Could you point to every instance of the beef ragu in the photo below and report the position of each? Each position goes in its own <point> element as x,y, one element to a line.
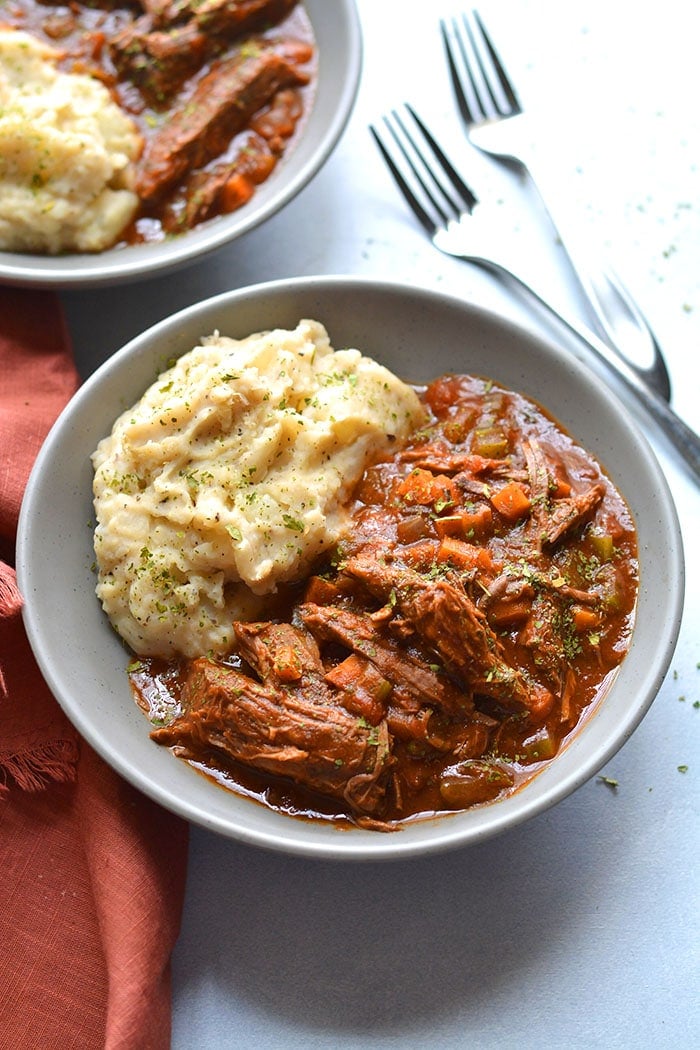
<point>218,89</point>
<point>470,621</point>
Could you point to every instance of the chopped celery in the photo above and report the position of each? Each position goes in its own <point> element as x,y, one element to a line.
<point>490,442</point>
<point>544,744</point>
<point>602,544</point>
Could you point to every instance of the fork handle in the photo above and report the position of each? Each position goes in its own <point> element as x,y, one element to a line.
<point>679,434</point>
<point>540,177</point>
<point>629,328</point>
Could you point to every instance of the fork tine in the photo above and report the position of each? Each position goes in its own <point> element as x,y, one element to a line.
<point>450,171</point>
<point>475,68</point>
<point>410,197</point>
<point>444,204</point>
<point>503,78</point>
<point>469,113</point>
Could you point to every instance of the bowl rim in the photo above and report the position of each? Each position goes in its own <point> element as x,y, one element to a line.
<point>131,263</point>
<point>503,814</point>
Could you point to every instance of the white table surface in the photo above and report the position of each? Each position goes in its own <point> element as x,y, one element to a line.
<point>580,929</point>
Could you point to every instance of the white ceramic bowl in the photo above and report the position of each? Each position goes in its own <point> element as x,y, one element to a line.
<point>339,42</point>
<point>419,334</point>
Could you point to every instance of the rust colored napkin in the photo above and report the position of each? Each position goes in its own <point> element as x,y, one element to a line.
<point>92,873</point>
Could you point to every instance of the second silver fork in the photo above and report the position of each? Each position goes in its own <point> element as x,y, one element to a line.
<point>497,125</point>
<point>449,212</point>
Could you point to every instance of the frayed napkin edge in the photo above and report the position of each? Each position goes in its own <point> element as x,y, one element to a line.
<point>35,768</point>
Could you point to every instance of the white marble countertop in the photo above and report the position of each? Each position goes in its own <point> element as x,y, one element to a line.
<point>579,929</point>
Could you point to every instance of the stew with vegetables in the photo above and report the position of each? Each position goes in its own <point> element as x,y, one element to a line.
<point>217,88</point>
<point>469,622</point>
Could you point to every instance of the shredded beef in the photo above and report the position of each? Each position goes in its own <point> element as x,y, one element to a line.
<point>287,731</point>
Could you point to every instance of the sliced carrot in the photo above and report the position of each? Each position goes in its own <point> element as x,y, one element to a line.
<point>511,502</point>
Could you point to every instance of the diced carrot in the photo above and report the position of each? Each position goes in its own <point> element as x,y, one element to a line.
<point>428,489</point>
<point>320,591</point>
<point>346,673</point>
<point>511,502</point>
<point>584,618</point>
<point>449,525</point>
<point>420,556</point>
<point>265,164</point>
<point>477,522</point>
<point>287,664</point>
<point>463,555</point>
<point>561,488</point>
<point>466,523</point>
<point>455,430</point>
<point>507,612</point>
<point>365,690</point>
<point>236,192</point>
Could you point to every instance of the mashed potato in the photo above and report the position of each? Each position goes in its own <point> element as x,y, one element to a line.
<point>229,477</point>
<point>66,151</point>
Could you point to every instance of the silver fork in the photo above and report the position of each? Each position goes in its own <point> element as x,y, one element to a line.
<point>497,125</point>
<point>449,212</point>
